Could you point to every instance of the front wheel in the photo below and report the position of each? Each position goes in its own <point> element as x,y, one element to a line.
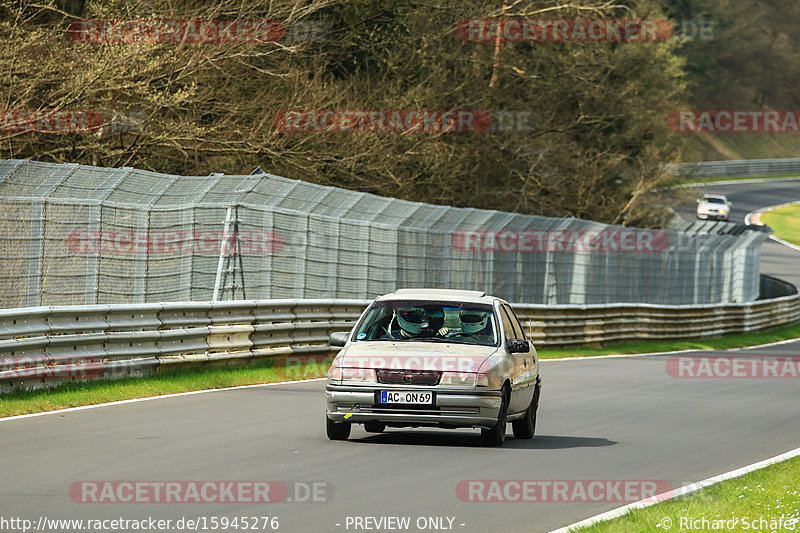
<point>337,430</point>
<point>524,428</point>
<point>497,435</point>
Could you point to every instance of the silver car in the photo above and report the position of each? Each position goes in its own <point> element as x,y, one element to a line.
<point>713,207</point>
<point>441,358</point>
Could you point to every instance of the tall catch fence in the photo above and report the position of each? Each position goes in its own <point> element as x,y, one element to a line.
<point>78,235</point>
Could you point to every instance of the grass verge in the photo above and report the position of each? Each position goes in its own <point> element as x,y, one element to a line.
<point>740,504</point>
<point>79,393</point>
<point>785,221</point>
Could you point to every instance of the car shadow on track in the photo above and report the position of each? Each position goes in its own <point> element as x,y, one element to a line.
<point>556,442</point>
<point>468,440</point>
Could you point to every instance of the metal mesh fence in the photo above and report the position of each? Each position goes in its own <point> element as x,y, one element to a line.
<point>75,234</point>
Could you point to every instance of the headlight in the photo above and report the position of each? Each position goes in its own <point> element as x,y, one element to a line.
<point>358,374</point>
<point>335,374</point>
<point>459,379</point>
<point>723,210</point>
<point>338,374</point>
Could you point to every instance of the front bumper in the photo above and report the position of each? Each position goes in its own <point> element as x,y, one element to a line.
<point>452,408</point>
<point>712,216</point>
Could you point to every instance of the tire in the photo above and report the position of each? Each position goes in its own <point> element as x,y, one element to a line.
<point>525,428</point>
<point>497,435</point>
<point>337,430</point>
<point>374,427</point>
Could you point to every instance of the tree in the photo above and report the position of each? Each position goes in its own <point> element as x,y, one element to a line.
<point>588,133</point>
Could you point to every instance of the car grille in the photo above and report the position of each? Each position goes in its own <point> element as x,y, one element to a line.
<point>403,409</point>
<point>409,377</point>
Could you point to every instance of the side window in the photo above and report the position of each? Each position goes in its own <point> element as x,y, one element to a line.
<point>517,324</point>
<point>508,324</point>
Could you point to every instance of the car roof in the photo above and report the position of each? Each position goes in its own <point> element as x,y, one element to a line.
<point>720,196</point>
<point>440,294</point>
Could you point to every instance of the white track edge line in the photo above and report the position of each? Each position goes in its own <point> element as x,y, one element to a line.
<point>785,243</point>
<point>148,398</point>
<point>686,489</point>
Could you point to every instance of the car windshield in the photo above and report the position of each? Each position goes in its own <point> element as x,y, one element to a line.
<point>714,200</point>
<point>429,321</point>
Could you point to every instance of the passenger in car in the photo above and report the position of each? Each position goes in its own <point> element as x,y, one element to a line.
<point>416,322</point>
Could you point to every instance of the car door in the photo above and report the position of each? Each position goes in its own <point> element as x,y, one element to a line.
<point>523,379</point>
<point>531,359</point>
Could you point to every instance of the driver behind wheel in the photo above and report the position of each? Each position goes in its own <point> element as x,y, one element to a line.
<point>416,322</point>
<point>411,321</point>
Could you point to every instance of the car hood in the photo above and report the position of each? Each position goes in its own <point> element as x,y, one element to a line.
<point>407,355</point>
<point>710,205</point>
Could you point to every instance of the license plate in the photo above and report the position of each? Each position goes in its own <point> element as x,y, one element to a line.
<point>417,397</point>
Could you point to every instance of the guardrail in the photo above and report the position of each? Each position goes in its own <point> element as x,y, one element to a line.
<point>572,326</point>
<point>44,345</point>
<point>744,168</point>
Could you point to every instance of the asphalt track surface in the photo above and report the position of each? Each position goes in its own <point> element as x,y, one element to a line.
<point>601,419</point>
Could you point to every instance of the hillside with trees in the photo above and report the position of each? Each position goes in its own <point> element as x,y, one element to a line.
<point>586,135</point>
<point>748,63</point>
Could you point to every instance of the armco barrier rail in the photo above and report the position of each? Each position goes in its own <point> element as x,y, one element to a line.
<point>745,168</point>
<point>44,345</point>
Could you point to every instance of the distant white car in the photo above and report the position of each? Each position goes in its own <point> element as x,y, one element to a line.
<point>713,207</point>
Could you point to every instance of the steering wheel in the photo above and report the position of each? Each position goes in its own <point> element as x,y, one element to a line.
<point>459,333</point>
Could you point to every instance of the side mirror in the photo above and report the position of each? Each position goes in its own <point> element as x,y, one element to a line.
<point>339,338</point>
<point>518,346</point>
<point>698,200</point>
